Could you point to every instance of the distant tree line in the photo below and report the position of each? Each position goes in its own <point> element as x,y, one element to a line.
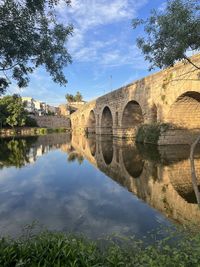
<point>74,98</point>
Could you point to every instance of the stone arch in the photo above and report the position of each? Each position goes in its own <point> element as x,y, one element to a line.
<point>82,120</point>
<point>106,121</point>
<point>185,111</point>
<point>132,115</point>
<point>91,122</point>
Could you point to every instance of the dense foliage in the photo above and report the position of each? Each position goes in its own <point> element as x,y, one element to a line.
<point>74,98</point>
<point>171,33</point>
<point>57,249</point>
<point>12,111</point>
<point>30,36</point>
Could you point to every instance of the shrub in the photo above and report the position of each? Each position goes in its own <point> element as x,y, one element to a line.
<point>150,133</point>
<point>31,122</point>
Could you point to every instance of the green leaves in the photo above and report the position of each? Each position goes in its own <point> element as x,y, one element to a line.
<point>170,33</point>
<point>30,37</point>
<point>179,249</point>
<point>74,98</point>
<point>12,111</point>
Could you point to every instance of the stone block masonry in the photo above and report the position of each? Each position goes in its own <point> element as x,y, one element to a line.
<point>52,121</point>
<point>170,96</point>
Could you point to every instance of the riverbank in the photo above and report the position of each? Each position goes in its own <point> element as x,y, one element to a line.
<point>59,249</point>
<point>30,131</point>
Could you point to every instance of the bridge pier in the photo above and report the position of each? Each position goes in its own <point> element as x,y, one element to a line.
<point>125,132</point>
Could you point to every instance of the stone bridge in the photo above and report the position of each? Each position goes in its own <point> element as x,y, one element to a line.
<point>170,96</point>
<point>164,183</point>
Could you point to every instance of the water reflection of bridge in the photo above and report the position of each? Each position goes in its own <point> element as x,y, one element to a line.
<point>159,176</point>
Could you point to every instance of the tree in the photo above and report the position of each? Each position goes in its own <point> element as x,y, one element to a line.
<point>30,37</point>
<point>74,98</point>
<point>12,111</point>
<point>171,33</point>
<point>69,98</point>
<point>78,97</point>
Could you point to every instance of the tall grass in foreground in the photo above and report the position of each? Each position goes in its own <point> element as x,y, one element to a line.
<point>58,249</point>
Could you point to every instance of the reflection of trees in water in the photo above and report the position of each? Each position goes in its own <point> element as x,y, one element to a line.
<point>15,152</point>
<point>133,161</point>
<point>73,156</point>
<point>19,151</point>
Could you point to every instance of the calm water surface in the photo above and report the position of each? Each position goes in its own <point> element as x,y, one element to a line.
<point>94,186</point>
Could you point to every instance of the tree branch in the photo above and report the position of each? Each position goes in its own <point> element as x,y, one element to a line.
<point>185,57</point>
<point>4,69</point>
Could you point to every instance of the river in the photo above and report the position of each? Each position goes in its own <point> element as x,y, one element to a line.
<point>96,186</point>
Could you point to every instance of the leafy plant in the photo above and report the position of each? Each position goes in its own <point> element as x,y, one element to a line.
<point>170,33</point>
<point>178,249</point>
<point>12,111</point>
<point>30,37</point>
<point>150,133</point>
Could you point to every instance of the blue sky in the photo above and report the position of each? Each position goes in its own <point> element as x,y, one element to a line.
<point>103,45</point>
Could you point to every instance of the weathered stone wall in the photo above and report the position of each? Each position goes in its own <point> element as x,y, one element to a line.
<point>169,96</point>
<point>53,121</point>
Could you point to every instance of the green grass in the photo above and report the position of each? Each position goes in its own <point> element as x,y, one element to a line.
<point>58,249</point>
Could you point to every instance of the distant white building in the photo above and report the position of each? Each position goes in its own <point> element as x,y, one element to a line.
<point>52,109</point>
<point>37,104</point>
<point>29,104</point>
<point>38,107</point>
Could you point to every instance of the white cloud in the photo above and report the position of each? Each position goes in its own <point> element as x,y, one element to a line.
<point>87,44</point>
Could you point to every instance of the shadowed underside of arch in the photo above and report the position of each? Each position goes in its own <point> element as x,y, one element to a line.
<point>185,112</point>
<point>106,121</point>
<point>83,120</point>
<point>132,115</point>
<point>92,122</point>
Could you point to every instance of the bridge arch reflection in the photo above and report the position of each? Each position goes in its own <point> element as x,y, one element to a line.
<point>133,162</point>
<point>107,151</point>
<point>162,180</point>
<point>92,146</point>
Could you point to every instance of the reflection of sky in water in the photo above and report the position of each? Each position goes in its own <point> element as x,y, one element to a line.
<point>70,197</point>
